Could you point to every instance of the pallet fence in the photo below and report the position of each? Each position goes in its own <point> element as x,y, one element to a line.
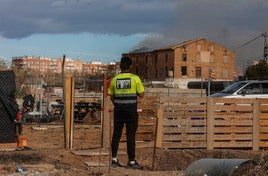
<point>204,123</point>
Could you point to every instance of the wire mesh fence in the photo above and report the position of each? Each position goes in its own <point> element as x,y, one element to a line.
<point>8,107</point>
<point>40,101</point>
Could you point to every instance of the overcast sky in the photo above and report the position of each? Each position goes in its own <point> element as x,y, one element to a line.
<point>101,30</point>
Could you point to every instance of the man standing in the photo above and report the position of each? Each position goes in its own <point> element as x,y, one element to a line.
<point>123,91</point>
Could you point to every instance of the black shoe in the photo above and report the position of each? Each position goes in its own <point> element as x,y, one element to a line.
<point>116,164</point>
<point>134,165</point>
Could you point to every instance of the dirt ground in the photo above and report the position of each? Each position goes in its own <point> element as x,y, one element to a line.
<point>84,159</point>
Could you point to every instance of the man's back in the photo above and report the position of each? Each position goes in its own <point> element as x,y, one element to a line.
<point>125,87</point>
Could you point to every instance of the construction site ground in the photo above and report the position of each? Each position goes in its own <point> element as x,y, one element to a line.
<point>55,160</point>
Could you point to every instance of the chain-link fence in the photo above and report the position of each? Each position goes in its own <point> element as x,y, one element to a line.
<point>40,101</point>
<point>9,109</point>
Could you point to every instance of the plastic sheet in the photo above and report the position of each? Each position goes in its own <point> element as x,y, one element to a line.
<point>214,167</point>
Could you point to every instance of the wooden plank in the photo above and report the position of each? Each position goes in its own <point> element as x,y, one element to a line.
<point>148,101</point>
<point>96,164</point>
<point>184,122</point>
<point>233,115</point>
<point>184,144</point>
<point>143,133</point>
<point>232,108</point>
<point>263,100</point>
<point>147,106</point>
<point>145,145</point>
<point>140,137</point>
<point>233,129</point>
<point>182,129</point>
<point>263,115</point>
<point>263,105</point>
<point>242,108</point>
<point>233,100</point>
<point>263,143</point>
<point>147,114</point>
<point>183,119</point>
<point>197,123</point>
<point>145,128</point>
<point>229,103</point>
<point>185,137</point>
<point>173,115</point>
<point>232,136</point>
<point>182,99</point>
<point>103,152</point>
<point>263,129</point>
<point>264,108</point>
<point>263,136</point>
<point>190,116</point>
<point>233,144</point>
<point>173,121</point>
<point>148,109</point>
<point>190,108</point>
<point>139,144</point>
<point>143,137</point>
<point>233,122</point>
<point>147,121</point>
<point>179,112</point>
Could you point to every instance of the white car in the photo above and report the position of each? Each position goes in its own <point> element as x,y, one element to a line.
<point>245,89</point>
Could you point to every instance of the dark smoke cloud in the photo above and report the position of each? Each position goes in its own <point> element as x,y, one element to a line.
<point>229,23</point>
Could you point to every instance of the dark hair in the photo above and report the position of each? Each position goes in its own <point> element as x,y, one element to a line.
<point>125,63</point>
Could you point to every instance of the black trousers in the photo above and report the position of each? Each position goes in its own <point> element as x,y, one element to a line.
<point>131,128</point>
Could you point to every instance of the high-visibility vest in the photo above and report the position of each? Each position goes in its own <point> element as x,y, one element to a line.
<point>124,87</point>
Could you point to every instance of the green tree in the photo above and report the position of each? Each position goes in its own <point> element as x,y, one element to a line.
<point>258,71</point>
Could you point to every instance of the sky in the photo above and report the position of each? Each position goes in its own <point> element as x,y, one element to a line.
<point>101,30</point>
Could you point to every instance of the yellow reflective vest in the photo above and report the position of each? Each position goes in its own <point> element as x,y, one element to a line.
<point>124,87</point>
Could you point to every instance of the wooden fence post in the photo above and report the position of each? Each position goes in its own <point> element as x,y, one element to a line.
<point>159,135</point>
<point>69,110</point>
<point>256,126</point>
<point>210,124</point>
<point>106,130</point>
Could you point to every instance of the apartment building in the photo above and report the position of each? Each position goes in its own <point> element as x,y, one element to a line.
<point>48,65</point>
<point>189,60</point>
<point>94,67</point>
<point>40,64</point>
